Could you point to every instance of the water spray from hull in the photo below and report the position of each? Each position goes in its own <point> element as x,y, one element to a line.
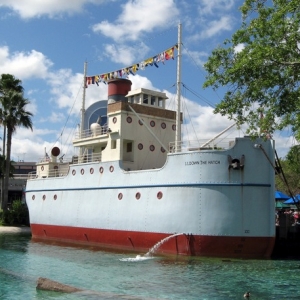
<point>149,254</point>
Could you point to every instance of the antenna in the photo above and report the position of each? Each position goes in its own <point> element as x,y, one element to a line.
<point>178,95</point>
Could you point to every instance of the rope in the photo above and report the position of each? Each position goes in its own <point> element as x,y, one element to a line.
<point>279,170</point>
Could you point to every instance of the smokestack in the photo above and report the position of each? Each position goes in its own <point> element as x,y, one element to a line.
<point>118,89</point>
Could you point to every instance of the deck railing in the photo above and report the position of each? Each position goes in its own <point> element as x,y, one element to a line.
<point>64,163</point>
<point>218,144</point>
<point>91,133</point>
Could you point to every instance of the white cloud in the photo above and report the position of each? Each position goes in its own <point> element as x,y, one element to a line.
<point>138,17</point>
<point>67,92</point>
<point>212,28</point>
<point>36,8</point>
<point>126,54</point>
<point>54,118</point>
<point>141,82</point>
<point>239,48</point>
<point>24,65</point>
<point>211,6</point>
<point>201,123</point>
<point>217,26</point>
<point>199,57</point>
<point>30,145</point>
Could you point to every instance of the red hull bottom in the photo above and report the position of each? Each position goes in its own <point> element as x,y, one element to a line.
<point>191,245</point>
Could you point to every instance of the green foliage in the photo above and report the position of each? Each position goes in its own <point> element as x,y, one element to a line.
<point>1,218</point>
<point>17,215</point>
<point>3,166</point>
<point>291,170</point>
<point>293,159</point>
<point>13,114</point>
<point>262,78</point>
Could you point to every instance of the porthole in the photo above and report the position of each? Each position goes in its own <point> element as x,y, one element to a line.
<point>162,149</point>
<point>73,172</point>
<point>44,197</point>
<point>91,170</point>
<point>159,195</point>
<point>138,196</point>
<point>111,168</point>
<point>55,197</point>
<point>140,122</point>
<point>152,123</point>
<point>114,120</point>
<point>42,168</point>
<point>120,196</point>
<point>129,119</point>
<point>33,197</point>
<point>140,146</point>
<point>101,170</point>
<point>82,171</point>
<point>174,127</point>
<point>163,125</point>
<point>152,148</point>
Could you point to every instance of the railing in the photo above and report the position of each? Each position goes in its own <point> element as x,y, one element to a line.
<point>92,133</point>
<point>47,174</point>
<point>85,158</point>
<point>19,176</point>
<point>64,166</point>
<point>217,144</point>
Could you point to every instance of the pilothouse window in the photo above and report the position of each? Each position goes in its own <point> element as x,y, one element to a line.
<point>160,102</point>
<point>145,99</point>
<point>153,100</point>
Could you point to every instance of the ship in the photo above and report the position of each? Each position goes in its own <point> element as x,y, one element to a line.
<point>134,182</point>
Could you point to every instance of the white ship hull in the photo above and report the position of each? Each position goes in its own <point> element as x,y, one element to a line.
<point>220,210</point>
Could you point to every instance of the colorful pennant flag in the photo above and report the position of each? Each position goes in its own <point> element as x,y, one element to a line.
<point>151,61</point>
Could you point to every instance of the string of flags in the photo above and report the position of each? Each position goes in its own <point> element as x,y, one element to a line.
<point>152,61</point>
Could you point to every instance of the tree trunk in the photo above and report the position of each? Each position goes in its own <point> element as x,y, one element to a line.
<point>2,178</point>
<point>7,169</point>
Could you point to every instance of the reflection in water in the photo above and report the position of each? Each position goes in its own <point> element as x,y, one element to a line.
<point>23,262</point>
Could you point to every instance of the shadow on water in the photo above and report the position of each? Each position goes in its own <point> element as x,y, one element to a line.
<point>14,242</point>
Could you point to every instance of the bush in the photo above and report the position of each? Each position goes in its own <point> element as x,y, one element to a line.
<point>1,218</point>
<point>17,215</point>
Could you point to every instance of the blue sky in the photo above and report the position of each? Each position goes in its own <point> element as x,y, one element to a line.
<point>45,43</point>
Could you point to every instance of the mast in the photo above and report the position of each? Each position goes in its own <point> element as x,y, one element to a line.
<point>178,95</point>
<point>83,104</point>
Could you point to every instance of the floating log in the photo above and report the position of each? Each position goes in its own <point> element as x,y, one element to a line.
<point>50,285</point>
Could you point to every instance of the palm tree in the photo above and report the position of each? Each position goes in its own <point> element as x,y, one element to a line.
<point>12,115</point>
<point>9,82</point>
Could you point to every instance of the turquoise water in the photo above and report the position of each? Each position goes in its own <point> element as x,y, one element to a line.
<point>107,275</point>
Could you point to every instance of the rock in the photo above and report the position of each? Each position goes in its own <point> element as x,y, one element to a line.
<point>50,285</point>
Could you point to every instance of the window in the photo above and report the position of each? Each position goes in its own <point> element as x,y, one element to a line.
<point>153,100</point>
<point>160,102</point>
<point>129,147</point>
<point>145,99</point>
